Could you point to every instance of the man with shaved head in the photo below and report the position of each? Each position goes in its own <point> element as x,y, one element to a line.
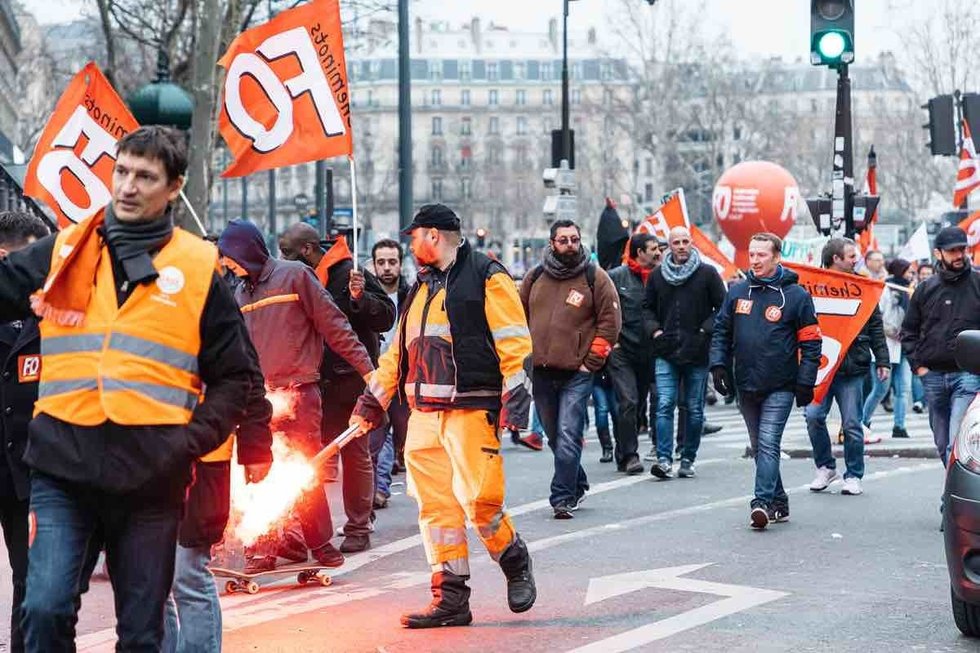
<point>367,307</point>
<point>683,295</point>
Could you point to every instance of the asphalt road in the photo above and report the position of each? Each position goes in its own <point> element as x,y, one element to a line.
<point>645,565</point>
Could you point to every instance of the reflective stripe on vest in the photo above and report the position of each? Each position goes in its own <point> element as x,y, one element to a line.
<point>134,365</point>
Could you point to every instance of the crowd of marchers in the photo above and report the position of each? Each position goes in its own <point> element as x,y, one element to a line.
<point>136,355</point>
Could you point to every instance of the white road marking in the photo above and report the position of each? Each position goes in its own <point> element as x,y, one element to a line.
<point>739,598</point>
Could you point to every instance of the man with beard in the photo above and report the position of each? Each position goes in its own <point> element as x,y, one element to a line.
<point>370,313</point>
<point>631,361</point>
<point>941,307</point>
<point>573,313</point>
<point>684,295</point>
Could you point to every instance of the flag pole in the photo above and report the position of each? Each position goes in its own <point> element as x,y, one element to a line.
<point>200,225</point>
<point>353,198</point>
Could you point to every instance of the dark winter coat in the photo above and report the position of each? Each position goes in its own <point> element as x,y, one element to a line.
<point>939,310</point>
<point>635,335</point>
<point>770,332</point>
<point>20,355</point>
<point>685,314</point>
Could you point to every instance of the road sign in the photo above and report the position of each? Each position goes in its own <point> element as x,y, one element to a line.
<point>738,598</point>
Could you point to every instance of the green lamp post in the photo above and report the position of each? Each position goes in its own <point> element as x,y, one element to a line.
<point>162,102</point>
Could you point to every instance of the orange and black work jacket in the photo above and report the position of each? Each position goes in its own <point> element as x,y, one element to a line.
<point>462,342</point>
<point>118,407</point>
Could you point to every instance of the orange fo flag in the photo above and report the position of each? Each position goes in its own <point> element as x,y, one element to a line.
<point>286,96</point>
<point>844,304</point>
<point>71,168</point>
<point>971,225</point>
<point>672,214</point>
<point>713,256</point>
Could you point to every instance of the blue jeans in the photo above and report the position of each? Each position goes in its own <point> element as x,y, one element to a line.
<point>193,619</point>
<point>604,406</point>
<point>765,418</point>
<point>918,393</point>
<point>669,378</point>
<point>899,381</point>
<point>562,402</point>
<point>72,523</point>
<point>949,395</point>
<point>849,392</point>
<point>383,456</point>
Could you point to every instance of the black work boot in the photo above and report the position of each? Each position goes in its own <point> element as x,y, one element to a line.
<point>515,561</point>
<point>605,440</point>
<point>450,604</point>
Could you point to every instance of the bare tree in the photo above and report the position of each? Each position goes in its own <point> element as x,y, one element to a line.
<point>942,48</point>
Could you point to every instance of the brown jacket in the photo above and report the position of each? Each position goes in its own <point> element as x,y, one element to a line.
<point>289,315</point>
<point>571,324</point>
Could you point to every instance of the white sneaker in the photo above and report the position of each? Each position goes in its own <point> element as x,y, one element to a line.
<point>651,455</point>
<point>852,486</point>
<point>825,476</point>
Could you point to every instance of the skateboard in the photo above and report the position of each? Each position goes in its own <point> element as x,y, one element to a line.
<point>243,582</point>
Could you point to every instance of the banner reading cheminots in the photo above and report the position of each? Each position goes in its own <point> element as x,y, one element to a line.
<point>844,303</point>
<point>71,169</point>
<point>286,96</point>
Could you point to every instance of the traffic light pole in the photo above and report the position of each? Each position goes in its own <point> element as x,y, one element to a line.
<point>842,208</point>
<point>566,140</point>
<point>404,120</point>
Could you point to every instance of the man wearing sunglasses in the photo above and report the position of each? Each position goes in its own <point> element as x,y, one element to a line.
<point>573,313</point>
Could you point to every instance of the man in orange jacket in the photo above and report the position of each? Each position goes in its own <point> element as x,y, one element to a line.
<point>466,374</point>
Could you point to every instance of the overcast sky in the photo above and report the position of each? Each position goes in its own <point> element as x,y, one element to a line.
<point>755,27</point>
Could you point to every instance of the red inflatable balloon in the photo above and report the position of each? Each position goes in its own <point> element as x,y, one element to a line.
<point>754,196</point>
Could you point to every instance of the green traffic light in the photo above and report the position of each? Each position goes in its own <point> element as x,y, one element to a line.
<point>831,45</point>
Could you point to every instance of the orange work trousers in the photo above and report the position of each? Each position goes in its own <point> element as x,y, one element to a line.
<point>455,473</point>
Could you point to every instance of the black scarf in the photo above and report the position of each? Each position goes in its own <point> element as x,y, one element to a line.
<point>133,243</point>
<point>952,276</point>
<point>561,270</point>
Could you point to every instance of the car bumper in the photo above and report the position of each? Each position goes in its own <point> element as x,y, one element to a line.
<point>961,521</point>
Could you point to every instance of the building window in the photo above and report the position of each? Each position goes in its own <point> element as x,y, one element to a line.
<point>435,71</point>
<point>607,97</point>
<point>466,127</point>
<point>465,157</point>
<point>494,126</point>
<point>648,193</point>
<point>521,98</point>
<point>546,71</point>
<point>493,71</point>
<point>577,70</point>
<point>436,97</point>
<point>437,189</point>
<point>493,98</point>
<point>576,96</point>
<point>548,98</point>
<point>466,188</point>
<point>465,71</point>
<point>520,69</point>
<point>437,126</point>
<point>605,71</point>
<point>737,133</point>
<point>437,159</point>
<point>523,160</point>
<point>521,126</point>
<point>493,155</point>
<point>649,166</point>
<point>464,97</point>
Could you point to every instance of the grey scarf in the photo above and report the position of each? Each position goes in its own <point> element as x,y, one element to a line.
<point>675,274</point>
<point>561,270</point>
<point>132,243</point>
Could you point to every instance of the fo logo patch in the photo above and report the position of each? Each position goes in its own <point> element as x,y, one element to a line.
<point>575,298</point>
<point>29,369</point>
<point>170,281</point>
<point>743,306</point>
<point>773,314</point>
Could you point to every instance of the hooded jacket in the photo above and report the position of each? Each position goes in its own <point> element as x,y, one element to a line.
<point>769,332</point>
<point>611,238</point>
<point>288,313</point>
<point>941,307</point>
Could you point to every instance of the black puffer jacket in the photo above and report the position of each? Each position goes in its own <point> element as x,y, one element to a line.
<point>943,306</point>
<point>685,314</point>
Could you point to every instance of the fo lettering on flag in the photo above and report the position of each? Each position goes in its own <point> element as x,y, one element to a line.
<point>844,304</point>
<point>673,213</point>
<point>71,168</point>
<point>286,96</point>
<point>968,177</point>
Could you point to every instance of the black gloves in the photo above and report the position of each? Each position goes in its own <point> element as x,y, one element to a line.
<point>722,381</point>
<point>804,395</point>
<point>369,408</point>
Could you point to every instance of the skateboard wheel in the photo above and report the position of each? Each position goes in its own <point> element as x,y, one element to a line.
<point>252,587</point>
<point>303,578</point>
<point>326,581</point>
<point>231,587</point>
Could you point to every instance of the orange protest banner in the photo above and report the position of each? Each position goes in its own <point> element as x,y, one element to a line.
<point>286,96</point>
<point>844,303</point>
<point>71,168</point>
<point>713,256</point>
<point>971,225</point>
<point>672,214</point>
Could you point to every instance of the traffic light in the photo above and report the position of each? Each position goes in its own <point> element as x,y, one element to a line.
<point>971,111</point>
<point>942,126</point>
<point>831,32</point>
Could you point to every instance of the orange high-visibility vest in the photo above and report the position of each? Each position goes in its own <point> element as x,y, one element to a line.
<point>135,364</point>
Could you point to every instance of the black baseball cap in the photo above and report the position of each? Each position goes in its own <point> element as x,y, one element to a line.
<point>951,238</point>
<point>434,216</point>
